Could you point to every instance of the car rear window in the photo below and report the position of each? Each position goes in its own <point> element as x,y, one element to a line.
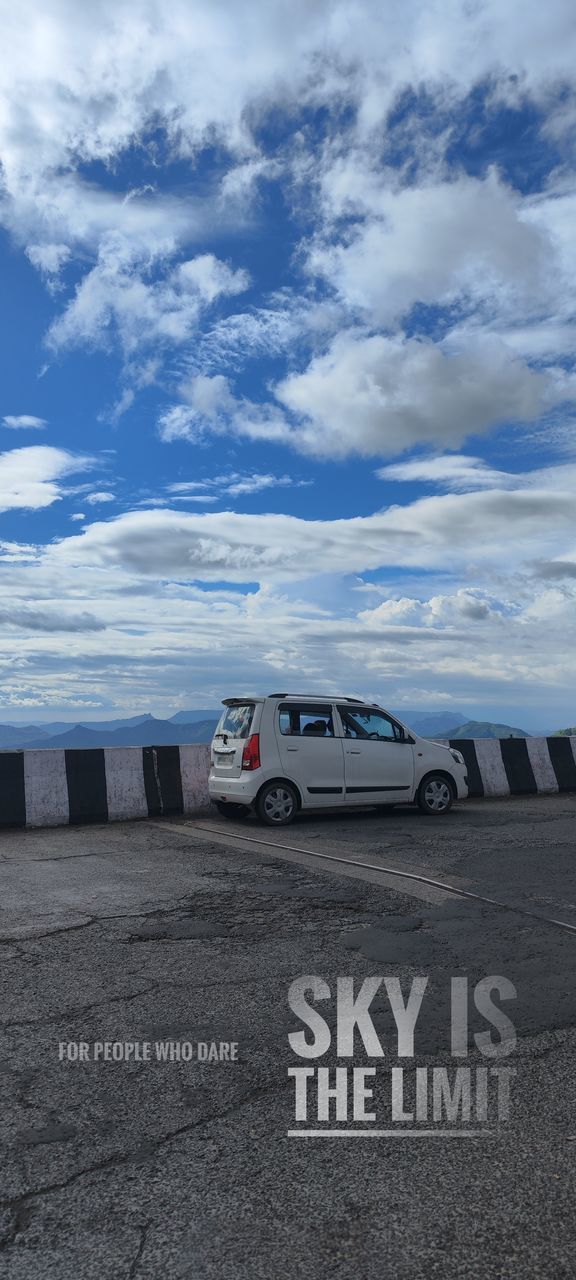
<point>236,721</point>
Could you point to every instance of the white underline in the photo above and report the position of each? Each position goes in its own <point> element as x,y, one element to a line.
<point>387,1133</point>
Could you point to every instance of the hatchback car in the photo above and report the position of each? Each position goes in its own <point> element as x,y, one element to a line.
<point>282,753</point>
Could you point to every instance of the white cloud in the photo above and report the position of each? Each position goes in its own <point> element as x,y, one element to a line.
<point>82,84</point>
<point>370,395</point>
<point>287,319</point>
<point>461,529</point>
<point>24,422</point>
<point>376,394</point>
<point>212,408</point>
<point>465,643</point>
<point>49,260</point>
<point>462,473</point>
<point>79,85</point>
<point>100,495</point>
<point>30,478</point>
<point>119,296</point>
<point>490,626</point>
<point>235,484</point>
<point>441,243</point>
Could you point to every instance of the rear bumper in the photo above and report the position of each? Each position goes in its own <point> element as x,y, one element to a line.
<point>241,790</point>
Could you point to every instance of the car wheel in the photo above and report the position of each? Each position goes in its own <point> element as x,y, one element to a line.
<point>435,795</point>
<point>277,804</point>
<point>232,810</point>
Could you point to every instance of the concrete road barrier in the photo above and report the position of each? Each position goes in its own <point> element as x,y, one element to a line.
<point>518,766</point>
<point>55,787</point>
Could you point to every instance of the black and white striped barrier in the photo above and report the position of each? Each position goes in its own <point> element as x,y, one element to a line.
<point>56,787</point>
<point>518,766</point>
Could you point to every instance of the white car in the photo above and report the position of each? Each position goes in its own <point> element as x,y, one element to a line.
<point>284,753</point>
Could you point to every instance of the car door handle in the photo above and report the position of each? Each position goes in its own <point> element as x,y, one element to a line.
<point>291,748</point>
<point>353,751</point>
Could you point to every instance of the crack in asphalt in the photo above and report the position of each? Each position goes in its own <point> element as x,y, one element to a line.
<point>17,1205</point>
<point>92,920</point>
<point>79,1010</point>
<point>135,1264</point>
<point>66,1015</point>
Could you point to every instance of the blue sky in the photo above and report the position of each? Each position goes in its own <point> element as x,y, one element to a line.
<point>288,355</point>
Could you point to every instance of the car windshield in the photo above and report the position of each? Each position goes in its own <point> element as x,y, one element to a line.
<point>235,721</point>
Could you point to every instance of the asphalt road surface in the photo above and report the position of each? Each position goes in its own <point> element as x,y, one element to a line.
<point>182,932</point>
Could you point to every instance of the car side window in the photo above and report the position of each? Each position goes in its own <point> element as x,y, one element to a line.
<point>301,720</point>
<point>362,722</point>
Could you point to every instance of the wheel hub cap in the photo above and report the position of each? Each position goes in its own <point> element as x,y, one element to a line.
<point>437,795</point>
<point>278,804</point>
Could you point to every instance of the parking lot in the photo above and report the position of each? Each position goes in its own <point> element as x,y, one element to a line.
<point>191,931</point>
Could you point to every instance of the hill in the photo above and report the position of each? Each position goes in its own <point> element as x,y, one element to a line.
<point>485,729</point>
<point>191,717</point>
<point>13,736</point>
<point>432,723</point>
<point>149,733</point>
<point>565,733</point>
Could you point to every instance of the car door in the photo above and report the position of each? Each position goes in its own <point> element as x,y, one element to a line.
<point>378,757</point>
<point>311,754</point>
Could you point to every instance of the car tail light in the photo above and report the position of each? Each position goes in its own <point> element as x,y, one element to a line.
<point>251,753</point>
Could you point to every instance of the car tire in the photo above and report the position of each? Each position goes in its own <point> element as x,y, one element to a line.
<point>232,810</point>
<point>435,795</point>
<point>277,804</point>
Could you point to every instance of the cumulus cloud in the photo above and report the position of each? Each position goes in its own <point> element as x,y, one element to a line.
<point>49,259</point>
<point>121,297</point>
<point>99,496</point>
<point>87,82</point>
<point>211,408</point>
<point>376,394</point>
<point>81,86</point>
<point>30,477</point>
<point>24,422</point>
<point>369,395</point>
<point>463,238</point>
<point>385,245</point>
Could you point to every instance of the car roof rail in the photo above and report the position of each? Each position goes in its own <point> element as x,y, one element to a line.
<point>321,697</point>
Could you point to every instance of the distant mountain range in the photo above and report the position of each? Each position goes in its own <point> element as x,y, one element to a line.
<point>136,731</point>
<point>428,723</point>
<point>484,729</point>
<point>198,726</point>
<point>456,725</point>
